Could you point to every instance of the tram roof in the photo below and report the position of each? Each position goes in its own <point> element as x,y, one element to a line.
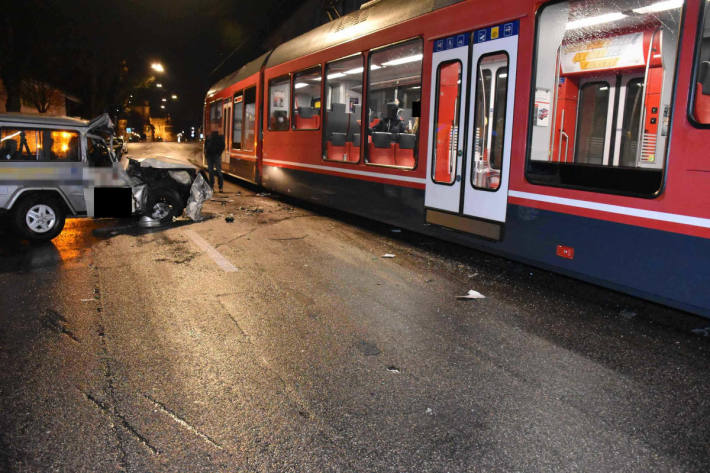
<point>354,25</point>
<point>252,67</point>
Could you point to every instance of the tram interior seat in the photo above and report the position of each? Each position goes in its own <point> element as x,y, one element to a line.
<point>702,93</point>
<point>307,118</point>
<point>404,150</point>
<point>337,129</point>
<point>381,149</point>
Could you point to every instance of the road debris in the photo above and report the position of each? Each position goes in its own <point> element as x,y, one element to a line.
<point>703,332</point>
<point>627,314</point>
<point>396,230</point>
<point>229,218</point>
<point>471,294</point>
<point>388,255</point>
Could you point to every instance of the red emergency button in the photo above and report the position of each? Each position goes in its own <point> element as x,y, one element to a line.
<point>565,252</point>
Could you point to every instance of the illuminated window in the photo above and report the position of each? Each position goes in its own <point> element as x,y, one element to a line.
<point>279,100</point>
<point>238,121</point>
<point>393,103</point>
<point>343,109</point>
<point>249,119</point>
<point>38,145</point>
<point>306,99</point>
<point>603,80</point>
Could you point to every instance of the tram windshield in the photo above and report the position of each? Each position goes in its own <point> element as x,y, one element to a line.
<point>603,89</point>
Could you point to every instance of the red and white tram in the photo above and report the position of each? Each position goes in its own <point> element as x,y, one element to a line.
<point>572,135</point>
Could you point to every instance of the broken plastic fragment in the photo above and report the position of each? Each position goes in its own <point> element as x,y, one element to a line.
<point>200,191</point>
<point>388,255</point>
<point>471,294</point>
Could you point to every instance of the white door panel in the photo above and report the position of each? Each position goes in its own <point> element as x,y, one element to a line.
<point>446,196</point>
<point>480,203</point>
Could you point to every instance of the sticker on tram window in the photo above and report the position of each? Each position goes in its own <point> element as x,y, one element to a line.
<point>491,33</point>
<point>452,42</point>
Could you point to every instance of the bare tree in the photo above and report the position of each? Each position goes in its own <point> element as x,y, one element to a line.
<point>37,93</point>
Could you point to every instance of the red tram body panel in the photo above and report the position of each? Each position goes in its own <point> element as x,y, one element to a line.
<point>571,135</point>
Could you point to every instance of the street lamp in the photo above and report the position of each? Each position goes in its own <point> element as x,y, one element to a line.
<point>174,97</point>
<point>159,85</point>
<point>157,67</point>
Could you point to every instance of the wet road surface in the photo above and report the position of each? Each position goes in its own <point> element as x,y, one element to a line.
<point>285,342</point>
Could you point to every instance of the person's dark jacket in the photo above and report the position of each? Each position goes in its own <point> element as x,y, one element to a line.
<point>214,144</point>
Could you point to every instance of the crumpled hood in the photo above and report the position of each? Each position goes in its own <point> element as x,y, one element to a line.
<point>161,162</point>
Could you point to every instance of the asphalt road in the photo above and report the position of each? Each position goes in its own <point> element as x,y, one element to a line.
<point>285,342</point>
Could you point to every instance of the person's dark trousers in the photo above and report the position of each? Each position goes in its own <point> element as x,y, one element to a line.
<point>214,164</point>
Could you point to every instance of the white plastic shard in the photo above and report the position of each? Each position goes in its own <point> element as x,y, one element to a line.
<point>388,255</point>
<point>471,294</point>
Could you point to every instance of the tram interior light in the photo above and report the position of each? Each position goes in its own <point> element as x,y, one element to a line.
<point>594,20</point>
<point>336,75</point>
<point>660,6</point>
<point>300,85</point>
<point>403,60</point>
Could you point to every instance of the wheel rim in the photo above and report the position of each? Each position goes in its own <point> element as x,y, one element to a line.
<point>40,218</point>
<point>161,210</point>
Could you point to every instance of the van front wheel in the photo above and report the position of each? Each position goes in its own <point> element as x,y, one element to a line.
<point>39,218</point>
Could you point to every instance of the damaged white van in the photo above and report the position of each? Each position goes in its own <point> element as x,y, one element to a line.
<point>56,167</point>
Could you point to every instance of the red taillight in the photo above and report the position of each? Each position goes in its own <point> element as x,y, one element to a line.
<point>565,251</point>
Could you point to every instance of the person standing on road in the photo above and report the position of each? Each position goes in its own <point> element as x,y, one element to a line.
<point>214,145</point>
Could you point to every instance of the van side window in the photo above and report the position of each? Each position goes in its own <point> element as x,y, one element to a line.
<point>23,144</point>
<point>393,101</point>
<point>701,104</point>
<point>602,91</point>
<point>279,90</point>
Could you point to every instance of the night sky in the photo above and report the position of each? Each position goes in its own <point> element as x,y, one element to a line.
<point>96,49</point>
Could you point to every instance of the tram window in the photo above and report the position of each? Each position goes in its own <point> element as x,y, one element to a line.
<point>393,94</point>
<point>489,124</point>
<point>343,109</point>
<point>306,99</point>
<point>446,122</point>
<point>279,90</point>
<point>249,119</point>
<point>701,104</point>
<point>215,115</point>
<point>238,121</point>
<point>602,88</point>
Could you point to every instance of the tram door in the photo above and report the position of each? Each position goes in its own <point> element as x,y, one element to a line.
<point>474,198</point>
<point>226,120</point>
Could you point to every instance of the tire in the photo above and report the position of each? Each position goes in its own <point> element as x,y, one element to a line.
<point>164,204</point>
<point>39,217</point>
